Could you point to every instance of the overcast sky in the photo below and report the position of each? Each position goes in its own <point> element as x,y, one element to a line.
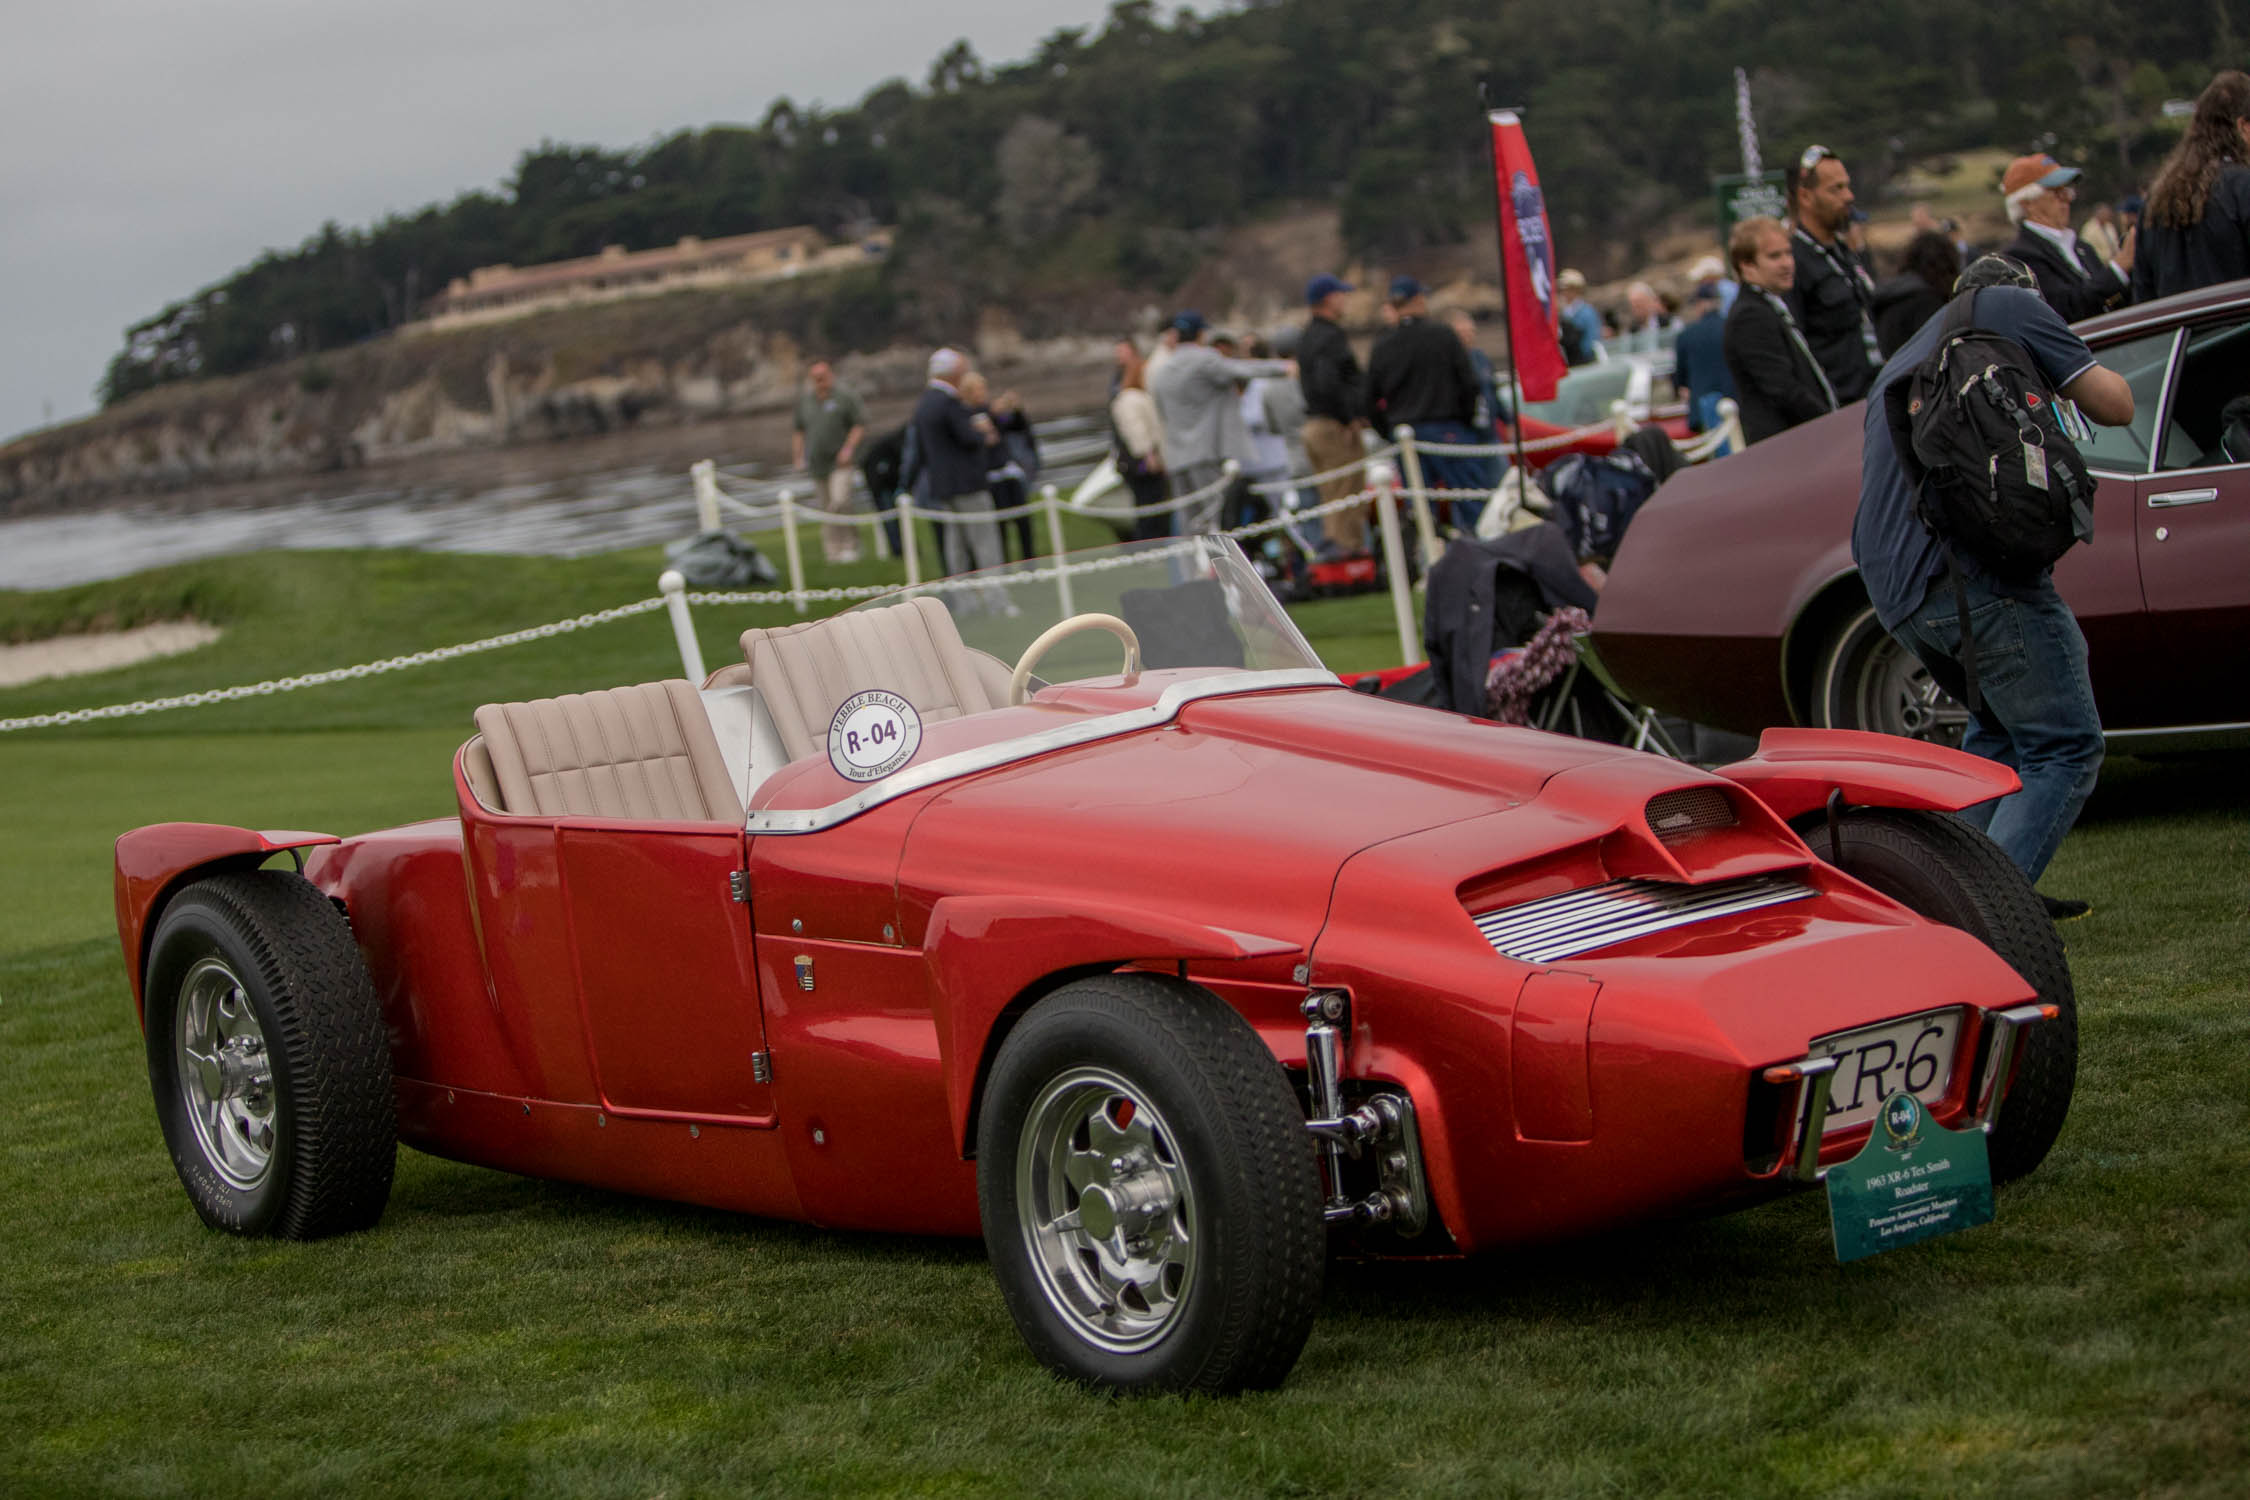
<point>154,146</point>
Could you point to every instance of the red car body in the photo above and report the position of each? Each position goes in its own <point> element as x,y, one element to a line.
<point>1734,600</point>
<point>580,998</point>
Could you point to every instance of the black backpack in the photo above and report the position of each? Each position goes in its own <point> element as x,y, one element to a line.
<point>1978,432</point>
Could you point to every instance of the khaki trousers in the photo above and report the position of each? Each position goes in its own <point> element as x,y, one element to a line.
<point>839,544</point>
<point>1330,444</point>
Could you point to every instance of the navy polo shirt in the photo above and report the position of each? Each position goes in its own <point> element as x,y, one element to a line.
<point>1896,553</point>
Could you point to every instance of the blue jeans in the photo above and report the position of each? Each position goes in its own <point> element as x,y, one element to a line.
<point>1456,471</point>
<point>2037,716</point>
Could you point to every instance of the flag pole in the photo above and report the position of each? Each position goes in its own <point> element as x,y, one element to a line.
<point>1499,227</point>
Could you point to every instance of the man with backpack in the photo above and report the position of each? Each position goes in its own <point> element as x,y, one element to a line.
<point>1970,488</point>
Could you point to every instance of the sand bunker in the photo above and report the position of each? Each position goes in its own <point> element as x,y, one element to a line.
<point>74,655</point>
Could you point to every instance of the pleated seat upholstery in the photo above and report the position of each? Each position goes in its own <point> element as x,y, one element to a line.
<point>805,672</point>
<point>645,752</point>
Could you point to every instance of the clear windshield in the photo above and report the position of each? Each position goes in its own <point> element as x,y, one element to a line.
<point>1189,601</point>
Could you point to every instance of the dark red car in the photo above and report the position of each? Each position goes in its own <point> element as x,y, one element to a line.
<point>1734,600</point>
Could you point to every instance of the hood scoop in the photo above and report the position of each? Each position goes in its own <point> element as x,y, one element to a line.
<point>1600,916</point>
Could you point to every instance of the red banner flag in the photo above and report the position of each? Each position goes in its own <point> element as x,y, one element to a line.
<point>1527,261</point>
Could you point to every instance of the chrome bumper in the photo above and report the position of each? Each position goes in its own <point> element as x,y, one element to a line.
<point>1800,1158</point>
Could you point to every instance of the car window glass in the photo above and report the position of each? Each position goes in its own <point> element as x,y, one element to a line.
<point>1584,396</point>
<point>2214,370</point>
<point>2142,362</point>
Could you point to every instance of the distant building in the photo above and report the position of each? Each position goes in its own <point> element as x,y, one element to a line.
<point>490,293</point>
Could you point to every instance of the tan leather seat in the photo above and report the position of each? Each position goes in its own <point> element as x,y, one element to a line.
<point>805,672</point>
<point>632,752</point>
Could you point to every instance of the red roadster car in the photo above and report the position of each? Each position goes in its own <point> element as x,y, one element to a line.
<point>1734,600</point>
<point>925,917</point>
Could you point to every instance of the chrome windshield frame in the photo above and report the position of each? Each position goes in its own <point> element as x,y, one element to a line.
<point>913,778</point>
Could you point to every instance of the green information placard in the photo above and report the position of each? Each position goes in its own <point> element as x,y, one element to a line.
<point>1914,1180</point>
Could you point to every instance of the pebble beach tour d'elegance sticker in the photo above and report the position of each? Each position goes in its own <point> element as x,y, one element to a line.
<point>872,735</point>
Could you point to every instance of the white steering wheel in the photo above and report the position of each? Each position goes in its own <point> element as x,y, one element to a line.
<point>1019,685</point>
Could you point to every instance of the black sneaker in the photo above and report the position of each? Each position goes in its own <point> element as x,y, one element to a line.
<point>2060,909</point>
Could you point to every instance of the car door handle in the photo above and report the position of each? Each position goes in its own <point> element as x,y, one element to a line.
<point>2171,498</point>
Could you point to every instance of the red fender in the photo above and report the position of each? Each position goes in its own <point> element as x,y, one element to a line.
<point>1795,770</point>
<point>984,951</point>
<point>153,861</point>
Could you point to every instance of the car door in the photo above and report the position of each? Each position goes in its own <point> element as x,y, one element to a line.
<point>665,972</point>
<point>2102,581</point>
<point>2193,524</point>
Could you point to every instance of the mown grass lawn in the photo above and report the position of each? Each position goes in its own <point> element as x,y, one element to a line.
<point>502,1336</point>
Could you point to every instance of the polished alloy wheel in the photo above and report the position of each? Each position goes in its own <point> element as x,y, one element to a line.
<point>1107,1210</point>
<point>226,1077</point>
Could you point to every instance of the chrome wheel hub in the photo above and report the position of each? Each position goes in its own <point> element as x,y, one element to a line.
<point>1897,695</point>
<point>226,1077</point>
<point>1106,1209</point>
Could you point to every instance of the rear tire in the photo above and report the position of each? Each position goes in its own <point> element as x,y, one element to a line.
<point>269,1059</point>
<point>1149,1192</point>
<point>1867,680</point>
<point>1945,870</point>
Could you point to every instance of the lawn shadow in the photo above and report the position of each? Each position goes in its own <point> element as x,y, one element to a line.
<point>440,1192</point>
<point>2138,787</point>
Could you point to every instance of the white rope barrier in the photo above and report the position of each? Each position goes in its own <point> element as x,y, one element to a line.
<point>338,674</point>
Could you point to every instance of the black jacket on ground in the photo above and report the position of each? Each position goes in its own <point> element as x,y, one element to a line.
<point>1468,615</point>
<point>1775,382</point>
<point>1902,305</point>
<point>880,463</point>
<point>1420,372</point>
<point>1831,299</point>
<point>952,449</point>
<point>2168,260</point>
<point>2075,292</point>
<point>1329,374</point>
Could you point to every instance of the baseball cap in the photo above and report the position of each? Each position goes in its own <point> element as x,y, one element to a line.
<point>1710,268</point>
<point>2040,171</point>
<point>1405,288</point>
<point>1323,286</point>
<point>1996,270</point>
<point>1572,281</point>
<point>2130,204</point>
<point>1189,324</point>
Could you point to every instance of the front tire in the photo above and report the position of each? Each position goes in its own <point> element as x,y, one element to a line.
<point>1867,680</point>
<point>269,1059</point>
<point>1947,871</point>
<point>1149,1192</point>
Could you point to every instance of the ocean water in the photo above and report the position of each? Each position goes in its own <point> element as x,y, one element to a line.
<point>565,517</point>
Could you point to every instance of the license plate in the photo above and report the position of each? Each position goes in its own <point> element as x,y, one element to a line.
<point>1913,1056</point>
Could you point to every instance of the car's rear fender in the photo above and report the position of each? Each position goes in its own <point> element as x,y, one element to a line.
<point>991,958</point>
<point>153,863</point>
<point>1795,771</point>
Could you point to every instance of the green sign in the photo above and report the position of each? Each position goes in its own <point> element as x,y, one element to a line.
<point>1914,1180</point>
<point>1743,197</point>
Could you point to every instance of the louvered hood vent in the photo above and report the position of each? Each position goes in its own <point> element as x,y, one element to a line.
<point>1600,916</point>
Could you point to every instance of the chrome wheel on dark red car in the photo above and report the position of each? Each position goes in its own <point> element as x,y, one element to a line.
<point>1867,680</point>
<point>1149,1192</point>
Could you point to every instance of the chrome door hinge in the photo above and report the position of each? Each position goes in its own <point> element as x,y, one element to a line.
<point>738,884</point>
<point>761,1067</point>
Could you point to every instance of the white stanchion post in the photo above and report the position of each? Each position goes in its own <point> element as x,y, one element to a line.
<point>705,474</point>
<point>674,589</point>
<point>910,537</point>
<point>1425,528</point>
<point>1052,499</point>
<point>790,546</point>
<point>1620,420</point>
<point>1395,563</point>
<point>879,541</point>
<point>1730,423</point>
